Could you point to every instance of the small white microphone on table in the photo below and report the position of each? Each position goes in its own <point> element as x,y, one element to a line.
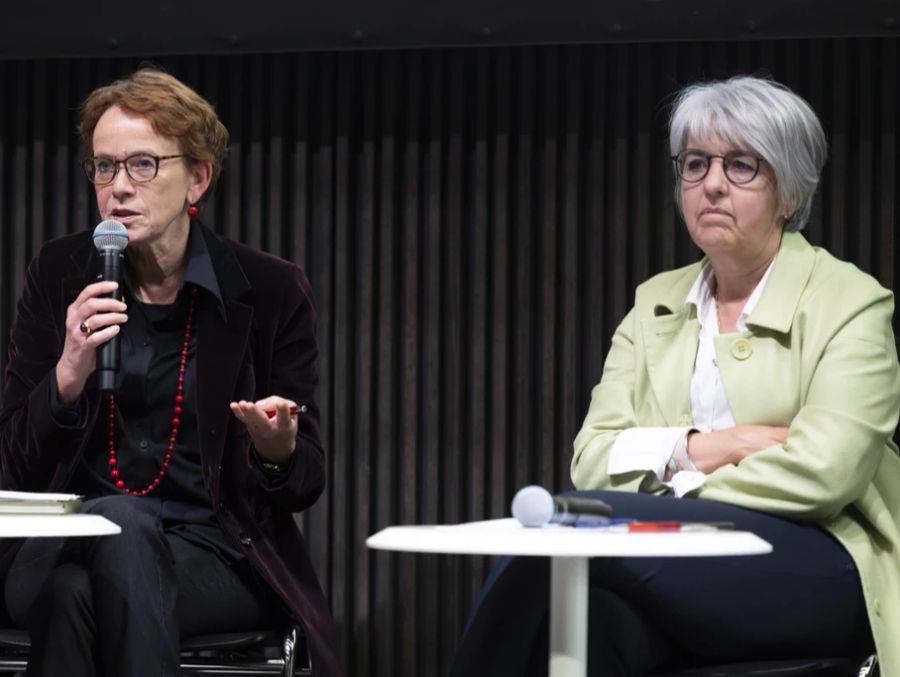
<point>534,506</point>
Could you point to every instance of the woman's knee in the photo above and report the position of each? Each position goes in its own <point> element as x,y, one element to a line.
<point>623,640</point>
<point>123,509</point>
<point>66,593</point>
<point>142,534</point>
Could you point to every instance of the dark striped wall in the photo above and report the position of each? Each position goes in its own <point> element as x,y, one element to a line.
<point>473,223</point>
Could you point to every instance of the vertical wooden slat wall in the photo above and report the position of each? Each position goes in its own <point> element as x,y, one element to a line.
<point>473,223</point>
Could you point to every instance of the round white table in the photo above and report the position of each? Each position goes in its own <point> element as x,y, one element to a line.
<point>569,550</point>
<point>69,524</point>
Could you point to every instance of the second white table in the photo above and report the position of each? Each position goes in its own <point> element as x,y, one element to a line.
<point>569,550</point>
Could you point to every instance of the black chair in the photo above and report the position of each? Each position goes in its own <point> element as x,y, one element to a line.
<point>823,667</point>
<point>233,653</point>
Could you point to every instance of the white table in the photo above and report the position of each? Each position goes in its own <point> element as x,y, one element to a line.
<point>569,550</point>
<point>69,524</point>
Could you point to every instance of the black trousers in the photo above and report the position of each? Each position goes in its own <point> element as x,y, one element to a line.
<point>117,605</point>
<point>804,600</point>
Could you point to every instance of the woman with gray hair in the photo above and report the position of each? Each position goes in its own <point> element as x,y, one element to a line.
<point>759,386</point>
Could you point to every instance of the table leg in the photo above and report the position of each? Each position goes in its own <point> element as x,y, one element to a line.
<point>568,616</point>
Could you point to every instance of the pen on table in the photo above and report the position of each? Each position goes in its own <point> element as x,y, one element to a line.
<point>650,527</point>
<point>631,525</point>
<point>272,412</point>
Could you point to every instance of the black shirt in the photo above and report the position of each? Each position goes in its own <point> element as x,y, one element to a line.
<point>151,345</point>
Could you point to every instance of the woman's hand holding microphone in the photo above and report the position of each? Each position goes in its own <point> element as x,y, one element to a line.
<point>91,320</point>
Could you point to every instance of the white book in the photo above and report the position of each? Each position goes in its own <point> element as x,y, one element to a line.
<point>36,502</point>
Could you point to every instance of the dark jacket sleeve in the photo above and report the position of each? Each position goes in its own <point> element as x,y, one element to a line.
<point>292,373</point>
<point>37,451</point>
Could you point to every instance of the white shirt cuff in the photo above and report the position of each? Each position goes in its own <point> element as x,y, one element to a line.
<point>686,481</point>
<point>645,448</point>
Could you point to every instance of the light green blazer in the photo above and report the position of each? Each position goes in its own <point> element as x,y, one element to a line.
<point>818,355</point>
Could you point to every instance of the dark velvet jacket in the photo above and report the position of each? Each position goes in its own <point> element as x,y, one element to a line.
<point>265,344</point>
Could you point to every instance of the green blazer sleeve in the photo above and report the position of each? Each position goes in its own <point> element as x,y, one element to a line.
<point>847,382</point>
<point>646,381</point>
<point>611,411</point>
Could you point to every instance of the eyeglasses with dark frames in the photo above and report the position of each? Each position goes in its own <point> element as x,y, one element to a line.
<point>740,166</point>
<point>141,167</point>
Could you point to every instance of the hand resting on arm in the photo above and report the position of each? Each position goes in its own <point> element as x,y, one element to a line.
<point>712,450</point>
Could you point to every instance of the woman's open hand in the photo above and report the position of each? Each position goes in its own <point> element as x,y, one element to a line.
<point>275,436</point>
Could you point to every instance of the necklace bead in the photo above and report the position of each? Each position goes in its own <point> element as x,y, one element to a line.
<point>177,410</point>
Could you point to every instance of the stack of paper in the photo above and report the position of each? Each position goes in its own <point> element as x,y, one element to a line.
<point>32,503</point>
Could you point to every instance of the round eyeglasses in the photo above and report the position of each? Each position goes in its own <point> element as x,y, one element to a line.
<point>141,167</point>
<point>739,165</point>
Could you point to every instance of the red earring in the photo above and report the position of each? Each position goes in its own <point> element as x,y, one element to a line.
<point>193,211</point>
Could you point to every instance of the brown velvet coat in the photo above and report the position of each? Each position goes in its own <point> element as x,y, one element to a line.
<point>265,344</point>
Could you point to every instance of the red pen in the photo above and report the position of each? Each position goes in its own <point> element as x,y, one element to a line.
<point>272,412</point>
<point>654,526</point>
<point>645,527</point>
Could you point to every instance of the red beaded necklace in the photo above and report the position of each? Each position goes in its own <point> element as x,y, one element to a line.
<point>113,460</point>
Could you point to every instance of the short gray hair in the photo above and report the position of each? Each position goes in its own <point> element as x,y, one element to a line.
<point>761,116</point>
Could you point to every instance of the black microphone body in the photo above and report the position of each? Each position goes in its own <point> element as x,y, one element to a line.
<point>581,506</point>
<point>110,238</point>
<point>534,506</point>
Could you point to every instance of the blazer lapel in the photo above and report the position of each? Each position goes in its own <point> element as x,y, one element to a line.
<point>222,347</point>
<point>85,270</point>
<point>769,367</point>
<point>670,347</point>
<point>790,274</point>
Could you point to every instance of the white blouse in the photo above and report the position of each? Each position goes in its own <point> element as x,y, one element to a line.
<point>654,448</point>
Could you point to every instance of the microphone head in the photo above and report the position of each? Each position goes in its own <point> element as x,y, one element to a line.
<point>533,506</point>
<point>110,235</point>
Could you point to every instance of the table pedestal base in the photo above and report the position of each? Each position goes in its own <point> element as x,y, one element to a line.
<point>569,594</point>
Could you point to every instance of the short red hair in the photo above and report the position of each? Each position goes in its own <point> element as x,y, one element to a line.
<point>173,109</point>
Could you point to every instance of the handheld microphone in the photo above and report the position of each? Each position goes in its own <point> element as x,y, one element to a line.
<point>110,239</point>
<point>534,506</point>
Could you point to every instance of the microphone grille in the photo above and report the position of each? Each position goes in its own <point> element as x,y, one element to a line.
<point>533,506</point>
<point>110,234</point>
